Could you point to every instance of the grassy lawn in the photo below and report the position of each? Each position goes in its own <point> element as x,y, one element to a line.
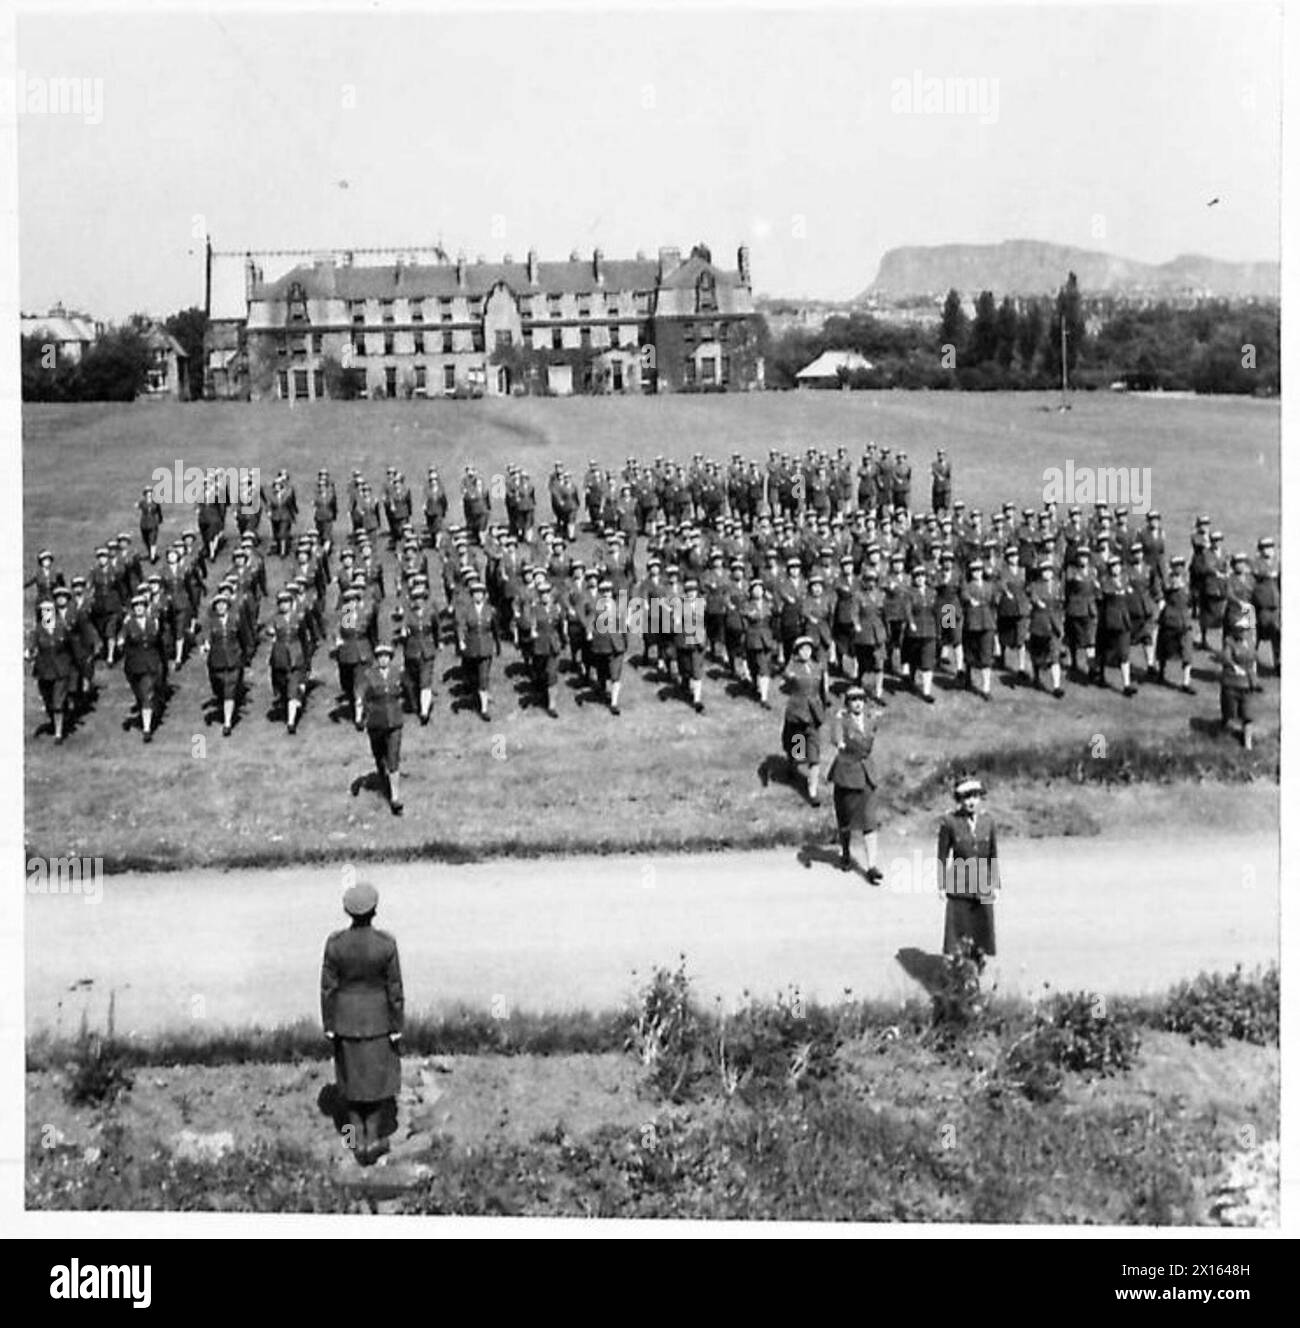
<point>660,776</point>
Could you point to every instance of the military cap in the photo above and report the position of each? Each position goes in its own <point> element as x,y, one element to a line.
<point>360,899</point>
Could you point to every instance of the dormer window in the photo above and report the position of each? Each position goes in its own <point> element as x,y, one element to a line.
<point>706,294</point>
<point>297,303</point>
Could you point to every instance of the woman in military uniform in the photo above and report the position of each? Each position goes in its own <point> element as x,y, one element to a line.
<point>805,710</point>
<point>362,1011</point>
<point>54,664</point>
<point>855,781</point>
<point>1047,629</point>
<point>140,642</point>
<point>968,872</point>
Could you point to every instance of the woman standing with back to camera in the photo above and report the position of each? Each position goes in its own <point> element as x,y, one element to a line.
<point>362,1006</point>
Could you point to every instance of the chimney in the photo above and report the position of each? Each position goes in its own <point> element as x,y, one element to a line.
<point>250,276</point>
<point>669,261</point>
<point>742,262</point>
<point>598,267</point>
<point>460,268</point>
<point>532,267</point>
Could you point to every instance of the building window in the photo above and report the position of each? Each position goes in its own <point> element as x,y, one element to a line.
<point>300,392</point>
<point>318,384</point>
<point>477,344</point>
<point>688,370</point>
<point>476,307</point>
<point>358,343</point>
<point>584,305</point>
<point>317,342</point>
<point>421,378</point>
<point>390,381</point>
<point>449,377</point>
<point>284,384</point>
<point>504,340</point>
<point>616,336</point>
<point>417,311</point>
<point>526,307</point>
<point>448,343</point>
<point>282,346</point>
<point>643,303</point>
<point>418,338</point>
<point>584,337</point>
<point>708,369</point>
<point>706,294</point>
<point>688,333</point>
<point>388,343</point>
<point>386,309</point>
<point>611,304</point>
<point>298,346</point>
<point>358,312</point>
<point>557,338</point>
<point>553,305</point>
<point>444,310</point>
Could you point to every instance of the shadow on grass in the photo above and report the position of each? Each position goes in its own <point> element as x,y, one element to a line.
<point>927,969</point>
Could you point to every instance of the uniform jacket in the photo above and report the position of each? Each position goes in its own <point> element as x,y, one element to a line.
<point>854,766</point>
<point>381,699</point>
<point>964,838</point>
<point>803,685</point>
<point>361,984</point>
<point>477,636</point>
<point>54,653</point>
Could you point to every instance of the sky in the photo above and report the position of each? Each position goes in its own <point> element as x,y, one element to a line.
<point>1107,127</point>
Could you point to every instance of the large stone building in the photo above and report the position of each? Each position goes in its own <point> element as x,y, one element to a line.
<point>333,327</point>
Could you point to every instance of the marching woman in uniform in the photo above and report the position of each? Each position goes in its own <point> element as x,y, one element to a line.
<point>855,780</point>
<point>805,709</point>
<point>54,664</point>
<point>760,641</point>
<point>968,872</point>
<point>140,642</point>
<point>362,1008</point>
<point>381,695</point>
<point>547,631</point>
<point>689,640</point>
<point>224,649</point>
<point>288,660</point>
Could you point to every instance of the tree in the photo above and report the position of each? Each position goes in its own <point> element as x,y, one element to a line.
<point>1067,314</point>
<point>1007,327</point>
<point>953,324</point>
<point>115,368</point>
<point>1029,332</point>
<point>189,327</point>
<point>984,330</point>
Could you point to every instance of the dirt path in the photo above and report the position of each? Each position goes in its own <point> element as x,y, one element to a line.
<point>239,948</point>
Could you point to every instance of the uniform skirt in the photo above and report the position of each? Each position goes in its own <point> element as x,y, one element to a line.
<point>54,692</point>
<point>968,919</point>
<point>386,748</point>
<point>1174,643</point>
<point>801,741</point>
<point>871,659</point>
<point>856,809</point>
<point>760,662</point>
<point>1116,648</point>
<point>367,1069</point>
<point>226,683</point>
<point>1080,633</point>
<point>144,687</point>
<point>690,660</point>
<point>546,669</point>
<point>1013,632</point>
<point>921,653</point>
<point>1044,651</point>
<point>1236,703</point>
<point>979,649</point>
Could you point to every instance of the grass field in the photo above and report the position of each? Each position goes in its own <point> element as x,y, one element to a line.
<point>660,776</point>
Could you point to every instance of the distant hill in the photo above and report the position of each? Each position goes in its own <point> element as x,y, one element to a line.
<point>1032,267</point>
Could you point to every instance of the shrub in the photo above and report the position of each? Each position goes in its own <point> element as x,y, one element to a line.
<point>1216,1006</point>
<point>96,1074</point>
<point>777,1046</point>
<point>959,1002</point>
<point>1078,1032</point>
<point>668,1034</point>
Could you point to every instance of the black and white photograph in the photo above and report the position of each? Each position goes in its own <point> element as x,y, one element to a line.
<point>649,615</point>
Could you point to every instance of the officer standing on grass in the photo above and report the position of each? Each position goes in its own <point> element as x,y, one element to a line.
<point>968,872</point>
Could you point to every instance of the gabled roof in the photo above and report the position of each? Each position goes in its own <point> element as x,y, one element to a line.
<point>58,328</point>
<point>439,280</point>
<point>158,338</point>
<point>828,364</point>
<point>690,272</point>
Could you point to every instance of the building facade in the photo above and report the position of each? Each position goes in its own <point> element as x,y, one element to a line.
<point>71,334</point>
<point>332,327</point>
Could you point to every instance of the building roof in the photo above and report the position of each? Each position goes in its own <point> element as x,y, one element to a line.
<point>158,338</point>
<point>58,327</point>
<point>830,362</point>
